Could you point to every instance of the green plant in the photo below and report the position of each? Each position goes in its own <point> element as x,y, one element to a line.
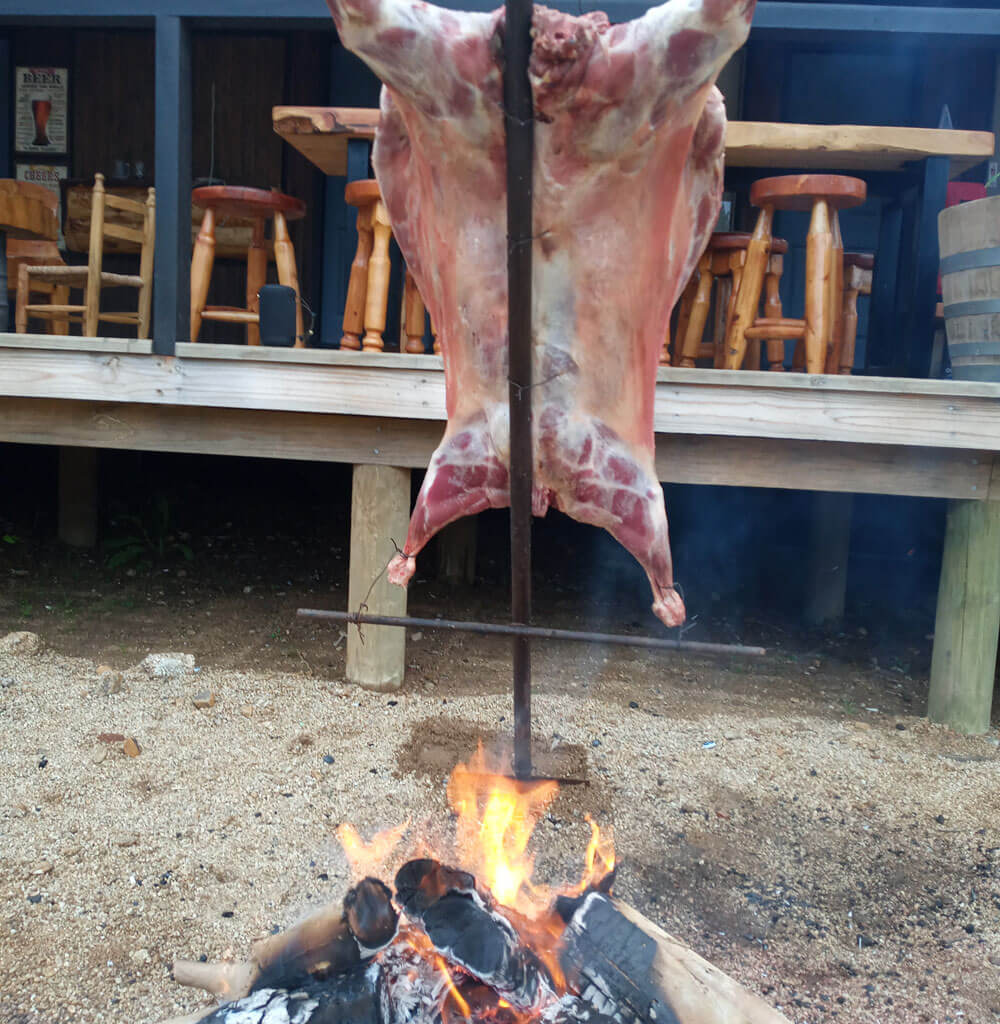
<point>148,537</point>
<point>26,608</point>
<point>11,538</point>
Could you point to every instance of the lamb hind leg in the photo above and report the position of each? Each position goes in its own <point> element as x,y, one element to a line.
<point>605,486</point>
<point>465,477</point>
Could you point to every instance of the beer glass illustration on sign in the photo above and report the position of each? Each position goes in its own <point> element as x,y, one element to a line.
<point>40,110</point>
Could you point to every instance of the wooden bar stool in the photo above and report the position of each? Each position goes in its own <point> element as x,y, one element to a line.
<point>368,286</point>
<point>721,269</point>
<point>824,195</point>
<point>858,267</point>
<point>258,205</point>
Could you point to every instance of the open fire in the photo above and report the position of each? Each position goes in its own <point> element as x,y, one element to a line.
<point>467,935</point>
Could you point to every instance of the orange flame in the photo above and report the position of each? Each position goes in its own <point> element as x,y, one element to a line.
<point>369,858</point>
<point>496,818</point>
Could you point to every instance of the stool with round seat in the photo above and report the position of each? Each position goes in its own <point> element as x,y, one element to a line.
<point>722,267</point>
<point>823,195</point>
<point>258,205</point>
<point>368,285</point>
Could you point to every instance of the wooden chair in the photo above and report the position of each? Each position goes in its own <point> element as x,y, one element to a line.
<point>720,271</point>
<point>823,195</point>
<point>368,286</point>
<point>91,278</point>
<point>37,253</point>
<point>258,205</point>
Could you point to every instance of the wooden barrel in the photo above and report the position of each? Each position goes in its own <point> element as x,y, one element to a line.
<point>969,238</point>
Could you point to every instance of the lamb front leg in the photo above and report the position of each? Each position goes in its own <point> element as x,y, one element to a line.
<point>466,476</point>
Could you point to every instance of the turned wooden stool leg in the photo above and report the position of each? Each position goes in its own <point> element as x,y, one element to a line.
<point>772,308</point>
<point>413,309</point>
<point>849,318</point>
<point>284,257</point>
<point>201,269</point>
<point>723,301</point>
<point>378,280</point>
<point>689,342</point>
<point>835,296</point>
<point>819,267</point>
<point>748,289</point>
<point>256,277</point>
<point>683,318</point>
<point>357,286</point>
<point>21,300</point>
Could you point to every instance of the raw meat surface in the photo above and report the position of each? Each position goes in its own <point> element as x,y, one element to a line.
<point>627,184</point>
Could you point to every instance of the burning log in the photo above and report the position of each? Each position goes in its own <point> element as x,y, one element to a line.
<point>626,967</point>
<point>468,932</point>
<point>331,942</point>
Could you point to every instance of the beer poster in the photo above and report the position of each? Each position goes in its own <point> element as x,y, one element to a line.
<point>40,118</point>
<point>48,175</point>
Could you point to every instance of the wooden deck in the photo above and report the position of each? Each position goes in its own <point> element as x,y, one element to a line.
<point>936,439</point>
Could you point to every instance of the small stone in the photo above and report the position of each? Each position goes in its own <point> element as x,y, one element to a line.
<point>633,704</point>
<point>940,819</point>
<point>328,759</point>
<point>995,960</point>
<point>901,727</point>
<point>35,898</point>
<point>203,699</point>
<point>43,762</point>
<point>99,754</point>
<point>247,711</point>
<point>417,636</point>
<point>170,665</point>
<point>113,683</point>
<point>131,748</point>
<point>140,956</point>
<point>21,643</point>
<point>43,867</point>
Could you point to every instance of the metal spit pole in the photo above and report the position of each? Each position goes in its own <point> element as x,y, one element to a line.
<point>520,161</point>
<point>655,643</point>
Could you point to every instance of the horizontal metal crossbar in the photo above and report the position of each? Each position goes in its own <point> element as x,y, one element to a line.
<point>535,632</point>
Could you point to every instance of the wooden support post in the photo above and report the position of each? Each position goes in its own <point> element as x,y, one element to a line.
<point>829,546</point>
<point>963,665</point>
<point>456,551</point>
<point>172,298</point>
<point>380,512</point>
<point>78,496</point>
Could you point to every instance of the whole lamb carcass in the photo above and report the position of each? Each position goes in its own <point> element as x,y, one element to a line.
<point>627,184</point>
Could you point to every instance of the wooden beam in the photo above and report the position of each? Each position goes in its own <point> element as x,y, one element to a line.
<point>859,410</point>
<point>380,511</point>
<point>963,664</point>
<point>371,440</point>
<point>826,566</point>
<point>172,295</point>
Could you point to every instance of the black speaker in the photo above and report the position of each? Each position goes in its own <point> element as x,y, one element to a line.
<point>277,315</point>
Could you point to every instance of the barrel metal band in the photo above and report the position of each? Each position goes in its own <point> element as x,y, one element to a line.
<point>976,308</point>
<point>971,260</point>
<point>973,349</point>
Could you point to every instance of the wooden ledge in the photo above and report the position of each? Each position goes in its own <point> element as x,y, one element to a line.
<point>67,343</point>
<point>313,356</point>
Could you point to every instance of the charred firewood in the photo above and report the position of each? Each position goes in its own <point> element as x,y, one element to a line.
<point>567,906</point>
<point>625,967</point>
<point>470,933</point>
<point>331,942</point>
<point>352,1000</point>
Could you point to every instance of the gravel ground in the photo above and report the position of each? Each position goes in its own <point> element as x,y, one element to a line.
<point>842,860</point>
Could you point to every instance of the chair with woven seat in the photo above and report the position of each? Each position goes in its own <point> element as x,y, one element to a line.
<point>822,195</point>
<point>257,205</point>
<point>92,278</point>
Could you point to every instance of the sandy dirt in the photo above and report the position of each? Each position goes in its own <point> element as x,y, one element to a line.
<point>794,818</point>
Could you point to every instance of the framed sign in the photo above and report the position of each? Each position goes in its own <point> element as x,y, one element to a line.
<point>48,175</point>
<point>41,124</point>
